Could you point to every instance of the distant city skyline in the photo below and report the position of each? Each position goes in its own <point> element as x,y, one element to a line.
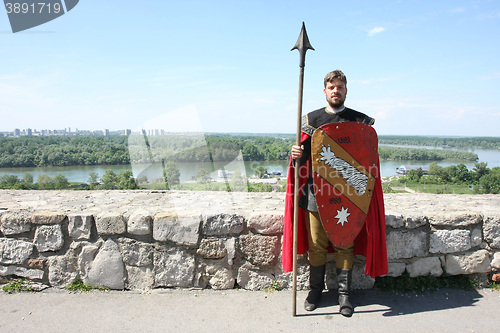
<point>417,67</point>
<point>153,132</point>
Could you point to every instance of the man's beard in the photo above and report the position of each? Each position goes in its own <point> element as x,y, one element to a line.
<point>336,105</point>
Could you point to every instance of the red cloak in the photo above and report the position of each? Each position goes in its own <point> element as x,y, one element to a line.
<point>370,242</point>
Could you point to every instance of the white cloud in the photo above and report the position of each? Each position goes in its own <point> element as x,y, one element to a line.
<point>375,31</point>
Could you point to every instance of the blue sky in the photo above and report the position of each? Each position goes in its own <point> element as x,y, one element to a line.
<point>418,67</point>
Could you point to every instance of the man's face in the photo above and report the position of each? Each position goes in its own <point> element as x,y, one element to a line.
<point>335,93</point>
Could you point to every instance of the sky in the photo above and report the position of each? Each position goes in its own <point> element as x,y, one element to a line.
<point>418,67</point>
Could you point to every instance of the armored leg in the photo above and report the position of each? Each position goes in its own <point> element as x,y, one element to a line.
<point>317,284</point>
<point>344,277</point>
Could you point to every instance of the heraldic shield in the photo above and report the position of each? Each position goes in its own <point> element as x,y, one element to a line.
<point>344,163</point>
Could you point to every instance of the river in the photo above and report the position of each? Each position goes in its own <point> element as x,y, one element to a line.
<point>188,170</point>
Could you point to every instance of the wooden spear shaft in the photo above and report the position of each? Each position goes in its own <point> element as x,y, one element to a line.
<point>302,45</point>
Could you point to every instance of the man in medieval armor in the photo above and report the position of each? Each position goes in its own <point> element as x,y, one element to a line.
<point>312,236</point>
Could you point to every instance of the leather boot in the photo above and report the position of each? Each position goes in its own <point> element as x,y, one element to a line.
<point>344,277</point>
<point>317,284</point>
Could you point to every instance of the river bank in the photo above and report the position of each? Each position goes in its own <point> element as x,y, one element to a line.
<point>81,174</point>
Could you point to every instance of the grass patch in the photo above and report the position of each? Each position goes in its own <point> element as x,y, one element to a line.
<point>275,286</point>
<point>17,285</point>
<point>405,283</point>
<point>78,285</point>
<point>441,188</point>
<point>494,285</point>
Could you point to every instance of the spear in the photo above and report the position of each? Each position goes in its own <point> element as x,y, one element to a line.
<point>302,45</point>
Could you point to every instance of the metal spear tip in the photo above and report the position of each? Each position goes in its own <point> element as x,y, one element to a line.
<point>303,43</point>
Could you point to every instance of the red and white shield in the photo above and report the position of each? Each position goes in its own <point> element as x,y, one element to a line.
<point>344,164</point>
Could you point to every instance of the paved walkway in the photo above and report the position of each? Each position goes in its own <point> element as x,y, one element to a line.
<point>244,311</point>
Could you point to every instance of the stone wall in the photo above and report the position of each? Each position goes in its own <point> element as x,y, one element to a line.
<point>148,239</point>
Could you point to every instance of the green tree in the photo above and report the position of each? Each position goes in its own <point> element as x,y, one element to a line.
<point>93,180</point>
<point>434,169</point>
<point>490,183</point>
<point>28,179</point>
<point>202,176</point>
<point>238,183</point>
<point>8,181</point>
<point>126,181</point>
<point>463,175</point>
<point>260,172</point>
<point>109,180</point>
<point>415,175</point>
<point>251,153</point>
<point>171,174</point>
<point>447,174</point>
<point>479,170</point>
<point>61,182</point>
<point>45,182</point>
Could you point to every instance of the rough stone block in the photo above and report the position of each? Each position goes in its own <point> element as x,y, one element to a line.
<point>173,268</point>
<point>394,221</point>
<point>223,279</point>
<point>449,241</point>
<point>211,248</point>
<point>108,224</point>
<point>425,266</point>
<point>266,224</point>
<point>231,249</point>
<point>476,237</point>
<point>359,278</point>
<point>107,269</point>
<point>417,221</point>
<point>214,275</point>
<point>495,262</point>
<point>179,229</point>
<point>468,263</point>
<point>135,253</point>
<point>139,223</point>
<point>47,218</point>
<point>223,224</point>
<point>406,244</point>
<point>139,278</point>
<point>491,230</point>
<point>260,250</point>
<point>396,269</point>
<point>252,280</point>
<point>85,258</point>
<point>62,271</point>
<point>13,251</point>
<point>451,219</point>
<point>15,223</point>
<point>23,272</point>
<point>36,263</point>
<point>285,279</point>
<point>80,226</point>
<point>48,238</point>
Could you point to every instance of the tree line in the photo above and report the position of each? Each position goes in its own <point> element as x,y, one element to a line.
<point>424,154</point>
<point>446,142</point>
<point>119,150</point>
<point>480,178</point>
<point>109,181</point>
<point>207,148</point>
<point>63,151</point>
